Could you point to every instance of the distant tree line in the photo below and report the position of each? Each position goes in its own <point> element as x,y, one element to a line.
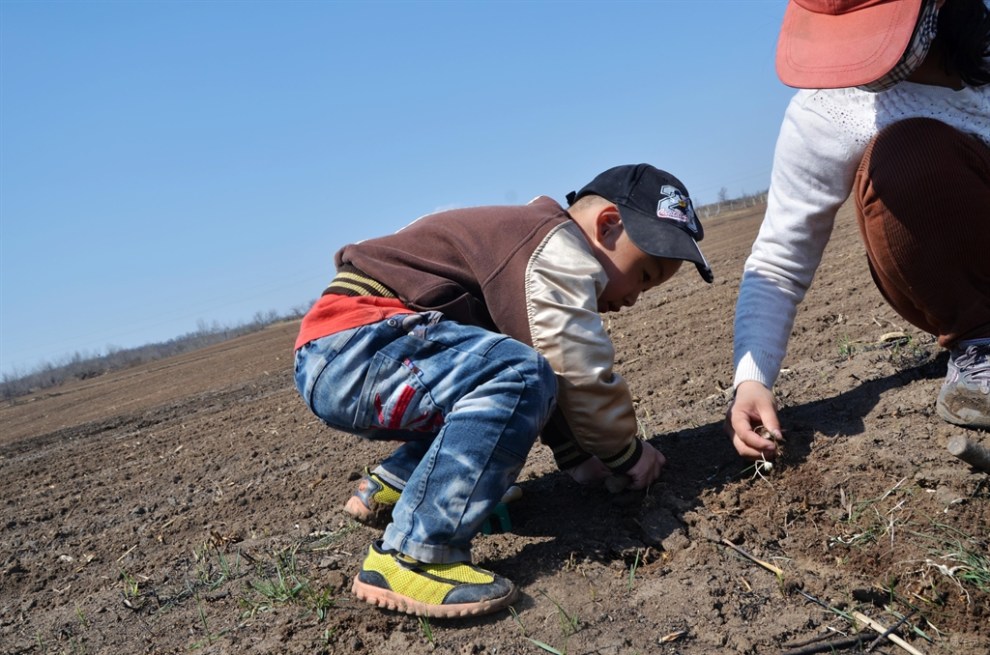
<point>724,204</point>
<point>81,366</point>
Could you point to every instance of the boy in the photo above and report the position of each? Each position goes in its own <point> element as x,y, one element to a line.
<point>465,335</point>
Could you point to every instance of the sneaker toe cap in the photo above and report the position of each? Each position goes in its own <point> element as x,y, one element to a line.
<point>498,589</point>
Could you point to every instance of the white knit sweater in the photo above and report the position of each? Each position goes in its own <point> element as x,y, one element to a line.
<point>820,145</point>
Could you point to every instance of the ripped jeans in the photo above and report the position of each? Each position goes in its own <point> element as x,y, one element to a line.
<point>467,403</point>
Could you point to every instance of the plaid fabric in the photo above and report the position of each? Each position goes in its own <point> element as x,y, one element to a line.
<point>917,50</point>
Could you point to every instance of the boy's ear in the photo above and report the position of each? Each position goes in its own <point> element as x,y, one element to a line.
<point>608,226</point>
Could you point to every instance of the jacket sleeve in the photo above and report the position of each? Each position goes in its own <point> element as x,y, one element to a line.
<point>815,162</point>
<point>563,281</point>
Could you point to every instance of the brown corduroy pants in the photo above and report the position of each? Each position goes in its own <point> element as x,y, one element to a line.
<point>922,197</point>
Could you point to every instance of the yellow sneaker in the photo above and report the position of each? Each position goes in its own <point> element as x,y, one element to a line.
<point>391,580</point>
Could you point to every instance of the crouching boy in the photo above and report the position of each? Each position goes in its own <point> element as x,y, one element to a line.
<point>466,335</point>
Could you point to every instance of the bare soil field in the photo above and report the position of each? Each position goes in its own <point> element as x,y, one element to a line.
<point>193,505</point>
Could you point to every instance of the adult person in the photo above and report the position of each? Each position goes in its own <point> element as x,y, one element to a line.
<point>894,108</point>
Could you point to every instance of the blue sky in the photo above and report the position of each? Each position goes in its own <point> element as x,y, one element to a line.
<point>167,165</point>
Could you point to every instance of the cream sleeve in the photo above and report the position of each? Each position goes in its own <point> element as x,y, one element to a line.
<point>814,164</point>
<point>563,282</point>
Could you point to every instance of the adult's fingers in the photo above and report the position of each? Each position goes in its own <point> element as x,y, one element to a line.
<point>752,408</point>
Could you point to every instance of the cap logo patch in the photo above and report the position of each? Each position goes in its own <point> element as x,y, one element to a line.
<point>675,206</point>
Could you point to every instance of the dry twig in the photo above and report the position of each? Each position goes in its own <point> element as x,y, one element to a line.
<point>879,627</point>
<point>886,633</point>
<point>826,646</point>
<point>769,567</point>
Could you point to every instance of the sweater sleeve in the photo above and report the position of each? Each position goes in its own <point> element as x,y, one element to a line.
<point>815,161</point>
<point>563,281</point>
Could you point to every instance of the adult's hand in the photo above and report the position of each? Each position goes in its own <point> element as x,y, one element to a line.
<point>647,469</point>
<point>753,406</point>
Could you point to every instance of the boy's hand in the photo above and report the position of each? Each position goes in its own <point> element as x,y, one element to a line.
<point>590,471</point>
<point>753,406</point>
<point>647,469</point>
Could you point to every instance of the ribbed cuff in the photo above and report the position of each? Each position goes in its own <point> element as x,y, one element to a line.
<point>626,458</point>
<point>350,281</point>
<point>760,367</point>
<point>568,455</point>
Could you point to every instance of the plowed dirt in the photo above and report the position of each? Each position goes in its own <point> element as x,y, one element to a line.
<point>192,505</point>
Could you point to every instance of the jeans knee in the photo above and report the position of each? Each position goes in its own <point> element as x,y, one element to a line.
<point>541,387</point>
<point>547,378</point>
<point>537,369</point>
<point>539,380</point>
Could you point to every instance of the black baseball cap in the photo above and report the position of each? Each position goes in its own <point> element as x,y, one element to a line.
<point>656,212</point>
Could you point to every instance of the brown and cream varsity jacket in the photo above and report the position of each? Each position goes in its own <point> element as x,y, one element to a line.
<point>527,272</point>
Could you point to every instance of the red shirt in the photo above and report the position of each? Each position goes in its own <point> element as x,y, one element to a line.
<point>332,313</point>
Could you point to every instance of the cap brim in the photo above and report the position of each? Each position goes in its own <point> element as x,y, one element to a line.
<point>662,239</point>
<point>825,51</point>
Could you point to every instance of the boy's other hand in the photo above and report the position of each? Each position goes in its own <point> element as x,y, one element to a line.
<point>753,406</point>
<point>590,471</point>
<point>647,469</point>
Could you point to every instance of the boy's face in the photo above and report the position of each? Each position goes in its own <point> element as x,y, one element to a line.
<point>630,272</point>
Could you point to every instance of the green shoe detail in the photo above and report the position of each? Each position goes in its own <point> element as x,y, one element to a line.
<point>373,500</point>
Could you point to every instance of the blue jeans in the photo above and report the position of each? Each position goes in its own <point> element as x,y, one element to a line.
<point>467,403</point>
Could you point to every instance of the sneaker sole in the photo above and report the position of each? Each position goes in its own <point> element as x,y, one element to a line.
<point>393,601</point>
<point>979,421</point>
<point>969,409</point>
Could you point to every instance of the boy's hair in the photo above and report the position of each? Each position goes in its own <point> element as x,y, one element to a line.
<point>590,200</point>
<point>964,36</point>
